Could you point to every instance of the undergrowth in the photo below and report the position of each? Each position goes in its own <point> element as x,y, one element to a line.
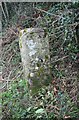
<point>19,103</point>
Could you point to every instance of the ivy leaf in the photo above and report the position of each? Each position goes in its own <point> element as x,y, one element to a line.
<point>40,111</point>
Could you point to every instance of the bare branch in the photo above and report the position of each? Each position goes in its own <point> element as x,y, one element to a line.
<point>47,12</point>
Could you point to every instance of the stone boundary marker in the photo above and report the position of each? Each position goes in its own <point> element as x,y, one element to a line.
<point>34,48</point>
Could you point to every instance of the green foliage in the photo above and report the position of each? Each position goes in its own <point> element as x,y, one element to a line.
<point>19,104</point>
<point>12,99</point>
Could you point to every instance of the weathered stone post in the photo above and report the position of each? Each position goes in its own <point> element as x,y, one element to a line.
<point>34,48</point>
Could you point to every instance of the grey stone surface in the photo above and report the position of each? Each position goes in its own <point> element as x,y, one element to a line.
<point>34,49</point>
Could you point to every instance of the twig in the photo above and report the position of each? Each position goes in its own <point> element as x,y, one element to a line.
<point>13,31</point>
<point>2,87</point>
<point>6,10</point>
<point>5,80</point>
<point>10,58</point>
<point>8,78</point>
<point>3,12</point>
<point>60,59</point>
<point>46,12</point>
<point>68,25</point>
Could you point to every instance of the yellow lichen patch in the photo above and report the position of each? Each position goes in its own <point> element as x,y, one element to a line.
<point>20,34</point>
<point>20,43</point>
<point>25,30</point>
